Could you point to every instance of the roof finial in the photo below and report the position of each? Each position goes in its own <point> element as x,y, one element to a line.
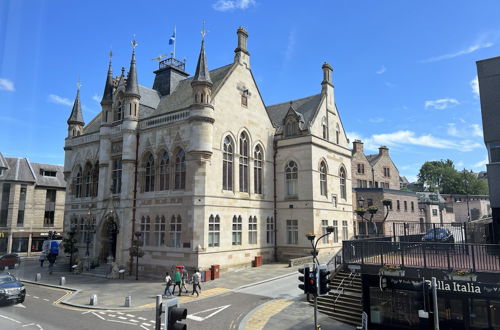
<point>78,84</point>
<point>134,43</point>
<point>203,31</point>
<point>110,54</point>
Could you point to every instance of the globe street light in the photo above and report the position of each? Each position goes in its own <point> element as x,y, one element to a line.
<point>372,210</point>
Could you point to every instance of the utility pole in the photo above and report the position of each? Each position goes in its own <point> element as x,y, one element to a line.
<point>435,303</point>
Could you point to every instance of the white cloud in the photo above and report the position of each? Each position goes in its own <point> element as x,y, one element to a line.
<point>481,164</point>
<point>96,98</point>
<point>228,5</point>
<point>468,50</point>
<point>59,100</point>
<point>476,130</point>
<point>6,85</point>
<point>474,84</point>
<point>381,70</point>
<point>441,104</point>
<point>452,130</point>
<point>459,164</point>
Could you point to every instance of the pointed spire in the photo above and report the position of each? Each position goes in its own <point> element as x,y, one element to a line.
<point>132,85</point>
<point>202,74</point>
<point>107,97</point>
<point>76,116</point>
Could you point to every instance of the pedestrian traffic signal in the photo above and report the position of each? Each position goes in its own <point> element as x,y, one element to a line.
<point>304,279</point>
<point>323,288</point>
<point>313,282</point>
<point>176,314</point>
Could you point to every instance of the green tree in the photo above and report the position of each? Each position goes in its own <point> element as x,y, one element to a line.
<point>69,245</point>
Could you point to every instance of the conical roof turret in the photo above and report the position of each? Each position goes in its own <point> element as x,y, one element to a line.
<point>76,116</point>
<point>107,97</point>
<point>202,74</point>
<point>132,87</point>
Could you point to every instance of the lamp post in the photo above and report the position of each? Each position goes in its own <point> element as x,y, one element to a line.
<point>310,237</point>
<point>135,251</point>
<point>69,246</point>
<point>372,210</point>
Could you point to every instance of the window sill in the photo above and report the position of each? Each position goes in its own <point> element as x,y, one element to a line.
<point>292,198</point>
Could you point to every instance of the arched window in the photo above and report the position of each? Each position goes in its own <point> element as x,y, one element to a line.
<point>164,171</point>
<point>227,165</point>
<point>243,162</point>
<point>291,176</point>
<point>159,230</point>
<point>257,170</point>
<point>325,129</point>
<point>118,112</point>
<point>252,230</point>
<point>145,229</point>
<point>78,183</point>
<point>175,232</point>
<point>88,180</point>
<point>291,127</point>
<point>150,173</point>
<point>180,170</point>
<point>95,180</point>
<point>213,231</point>
<point>322,178</point>
<point>343,190</point>
<point>237,228</point>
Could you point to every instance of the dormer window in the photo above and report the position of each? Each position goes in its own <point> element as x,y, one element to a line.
<point>291,127</point>
<point>46,172</point>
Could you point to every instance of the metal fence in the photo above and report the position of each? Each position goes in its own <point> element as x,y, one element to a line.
<point>474,257</point>
<point>404,229</point>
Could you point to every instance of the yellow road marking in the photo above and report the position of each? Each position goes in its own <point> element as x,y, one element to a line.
<point>261,316</point>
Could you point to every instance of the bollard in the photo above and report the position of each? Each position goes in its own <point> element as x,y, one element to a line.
<point>38,277</point>
<point>93,300</point>
<point>62,281</point>
<point>128,301</point>
<point>6,268</point>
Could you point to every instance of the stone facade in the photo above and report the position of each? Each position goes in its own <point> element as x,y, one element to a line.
<point>206,171</point>
<point>373,171</point>
<point>32,199</point>
<point>463,206</point>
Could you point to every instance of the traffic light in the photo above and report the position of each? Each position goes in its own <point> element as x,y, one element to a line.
<point>174,315</point>
<point>313,283</point>
<point>323,288</point>
<point>304,279</point>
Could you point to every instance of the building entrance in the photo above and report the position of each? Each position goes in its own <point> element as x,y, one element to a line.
<point>109,234</point>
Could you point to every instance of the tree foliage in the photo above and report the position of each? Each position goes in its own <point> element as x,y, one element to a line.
<point>443,177</point>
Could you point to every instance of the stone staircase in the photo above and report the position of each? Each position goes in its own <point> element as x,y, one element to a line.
<point>344,302</point>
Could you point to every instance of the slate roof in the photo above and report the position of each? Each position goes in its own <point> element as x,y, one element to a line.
<point>22,170</point>
<point>132,87</point>
<point>76,116</point>
<point>306,107</point>
<point>3,162</point>
<point>202,74</point>
<point>372,159</point>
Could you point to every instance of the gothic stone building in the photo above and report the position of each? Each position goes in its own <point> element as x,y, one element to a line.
<point>204,170</point>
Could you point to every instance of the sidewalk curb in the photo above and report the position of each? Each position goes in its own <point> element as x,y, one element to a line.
<point>264,281</point>
<point>244,321</point>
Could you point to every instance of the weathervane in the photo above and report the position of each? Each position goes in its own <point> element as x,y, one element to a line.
<point>134,43</point>
<point>203,31</point>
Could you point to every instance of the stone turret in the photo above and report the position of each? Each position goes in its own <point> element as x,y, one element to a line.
<point>75,120</point>
<point>132,96</point>
<point>242,55</point>
<point>327,86</point>
<point>107,97</point>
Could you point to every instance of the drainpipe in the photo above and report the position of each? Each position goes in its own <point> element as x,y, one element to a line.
<point>275,152</point>
<point>134,201</point>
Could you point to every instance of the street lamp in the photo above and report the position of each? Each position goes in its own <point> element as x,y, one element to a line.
<point>135,251</point>
<point>372,210</point>
<point>310,237</point>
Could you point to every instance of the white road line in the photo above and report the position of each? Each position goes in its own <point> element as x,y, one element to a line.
<point>120,313</point>
<point>146,324</point>
<point>39,326</point>
<point>144,327</point>
<point>45,299</point>
<point>102,313</point>
<point>27,325</point>
<point>99,316</point>
<point>36,297</point>
<point>120,322</point>
<point>122,318</point>
<point>135,321</point>
<point>112,315</point>
<point>130,315</point>
<point>10,319</point>
<point>141,318</point>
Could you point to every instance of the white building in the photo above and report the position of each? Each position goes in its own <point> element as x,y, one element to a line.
<point>205,170</point>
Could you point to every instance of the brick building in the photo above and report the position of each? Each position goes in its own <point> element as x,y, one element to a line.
<point>32,199</point>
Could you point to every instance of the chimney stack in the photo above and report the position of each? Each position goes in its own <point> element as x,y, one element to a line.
<point>383,151</point>
<point>357,146</point>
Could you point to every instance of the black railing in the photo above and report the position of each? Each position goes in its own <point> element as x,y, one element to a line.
<point>174,63</point>
<point>450,256</point>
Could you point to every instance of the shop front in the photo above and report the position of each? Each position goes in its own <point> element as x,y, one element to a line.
<point>393,302</point>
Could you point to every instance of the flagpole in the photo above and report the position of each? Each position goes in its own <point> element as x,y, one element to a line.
<point>175,38</point>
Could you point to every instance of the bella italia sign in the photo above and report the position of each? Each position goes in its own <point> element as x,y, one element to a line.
<point>459,287</point>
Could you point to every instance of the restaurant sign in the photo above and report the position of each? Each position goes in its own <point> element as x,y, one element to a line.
<point>459,287</point>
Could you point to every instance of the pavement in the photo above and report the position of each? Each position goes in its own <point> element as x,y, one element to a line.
<point>287,312</point>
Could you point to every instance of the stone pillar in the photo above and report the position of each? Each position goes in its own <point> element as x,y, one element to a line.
<point>9,243</point>
<point>29,243</point>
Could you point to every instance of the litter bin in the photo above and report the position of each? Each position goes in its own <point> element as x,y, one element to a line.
<point>258,261</point>
<point>215,271</point>
<point>207,274</point>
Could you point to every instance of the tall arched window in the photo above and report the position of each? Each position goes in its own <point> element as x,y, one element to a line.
<point>291,176</point>
<point>175,232</point>
<point>150,173</point>
<point>243,162</point>
<point>78,183</point>
<point>164,171</point>
<point>180,170</point>
<point>88,180</point>
<point>95,179</point>
<point>159,231</point>
<point>322,178</point>
<point>227,165</point>
<point>257,170</point>
<point>343,190</point>
<point>118,112</point>
<point>145,229</point>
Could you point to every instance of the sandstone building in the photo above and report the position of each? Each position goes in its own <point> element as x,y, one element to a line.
<point>205,170</point>
<point>32,199</point>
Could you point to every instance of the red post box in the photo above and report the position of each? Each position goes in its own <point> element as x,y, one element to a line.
<point>215,271</point>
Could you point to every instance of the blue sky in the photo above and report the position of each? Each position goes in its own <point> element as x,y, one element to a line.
<point>403,70</point>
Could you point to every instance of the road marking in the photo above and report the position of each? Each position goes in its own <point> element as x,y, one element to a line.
<point>260,316</point>
<point>120,313</point>
<point>27,325</point>
<point>120,322</point>
<point>146,324</point>
<point>122,318</point>
<point>10,319</point>
<point>39,326</point>
<point>36,297</point>
<point>130,315</point>
<point>135,321</point>
<point>102,313</point>
<point>99,316</point>
<point>45,299</point>
<point>112,315</point>
<point>144,327</point>
<point>19,305</point>
<point>200,319</point>
<point>141,318</point>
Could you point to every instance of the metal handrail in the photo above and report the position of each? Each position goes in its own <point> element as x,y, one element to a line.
<point>342,292</point>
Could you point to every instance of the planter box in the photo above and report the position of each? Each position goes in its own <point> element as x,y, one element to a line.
<point>465,278</point>
<point>392,273</point>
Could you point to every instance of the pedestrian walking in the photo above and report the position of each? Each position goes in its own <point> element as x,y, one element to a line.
<point>168,283</point>
<point>41,258</point>
<point>196,282</point>
<point>199,280</point>
<point>52,259</point>
<point>177,282</point>
<point>184,278</point>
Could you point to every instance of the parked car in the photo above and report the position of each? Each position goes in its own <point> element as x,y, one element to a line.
<point>9,260</point>
<point>438,235</point>
<point>11,290</point>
